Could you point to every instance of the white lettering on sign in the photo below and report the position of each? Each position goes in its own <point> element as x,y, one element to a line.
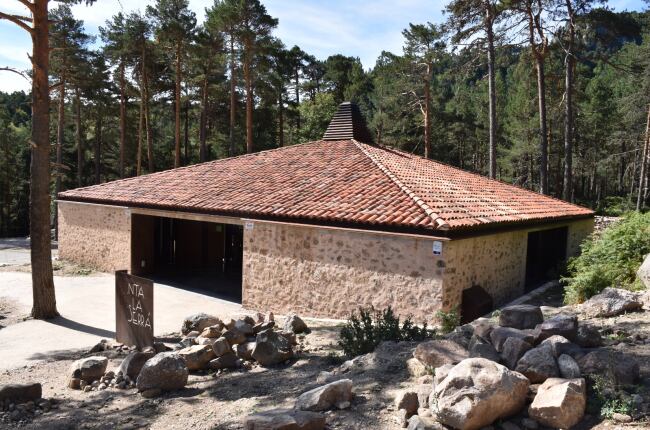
<point>437,247</point>
<point>136,315</point>
<point>249,225</point>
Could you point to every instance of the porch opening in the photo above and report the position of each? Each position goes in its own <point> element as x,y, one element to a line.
<point>546,256</point>
<point>195,255</point>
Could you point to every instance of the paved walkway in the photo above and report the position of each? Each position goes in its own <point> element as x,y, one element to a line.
<point>87,308</point>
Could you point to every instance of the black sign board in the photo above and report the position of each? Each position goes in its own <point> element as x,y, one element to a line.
<point>133,310</point>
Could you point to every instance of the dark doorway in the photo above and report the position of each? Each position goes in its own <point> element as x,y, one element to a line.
<point>546,256</point>
<point>193,255</point>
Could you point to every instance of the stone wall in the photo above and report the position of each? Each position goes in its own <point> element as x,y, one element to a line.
<point>497,262</point>
<point>329,273</point>
<point>95,235</point>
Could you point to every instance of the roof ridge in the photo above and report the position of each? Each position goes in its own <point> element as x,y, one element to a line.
<point>440,223</point>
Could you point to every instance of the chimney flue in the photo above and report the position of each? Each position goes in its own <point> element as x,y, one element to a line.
<point>348,123</point>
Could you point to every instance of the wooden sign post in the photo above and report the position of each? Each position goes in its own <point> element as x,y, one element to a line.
<point>133,310</point>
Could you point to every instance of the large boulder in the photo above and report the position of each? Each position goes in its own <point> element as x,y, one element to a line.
<point>335,394</point>
<point>611,302</point>
<point>499,335</point>
<point>408,400</point>
<point>88,369</point>
<point>440,373</point>
<point>295,324</point>
<point>221,347</point>
<point>513,349</point>
<point>644,272</point>
<point>569,368</point>
<point>423,423</point>
<point>563,325</point>
<point>478,392</point>
<point>559,403</point>
<point>588,337</point>
<point>285,419</point>
<point>271,348</point>
<point>538,365</point>
<point>197,356</point>
<point>521,316</point>
<point>198,322</point>
<point>20,393</point>
<point>621,368</point>
<point>482,349</point>
<point>235,336</point>
<point>132,364</point>
<point>226,361</point>
<point>556,344</point>
<point>435,353</point>
<point>165,371</point>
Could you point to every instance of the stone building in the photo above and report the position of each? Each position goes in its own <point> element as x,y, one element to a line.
<point>324,227</point>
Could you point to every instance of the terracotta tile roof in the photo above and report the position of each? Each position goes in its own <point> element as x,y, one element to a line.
<point>334,182</point>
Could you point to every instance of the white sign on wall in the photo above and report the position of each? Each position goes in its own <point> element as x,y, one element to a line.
<point>248,225</point>
<point>437,247</point>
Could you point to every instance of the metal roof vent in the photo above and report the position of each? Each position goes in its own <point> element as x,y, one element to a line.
<point>348,123</point>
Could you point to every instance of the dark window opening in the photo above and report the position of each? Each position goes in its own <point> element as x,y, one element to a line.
<point>195,255</point>
<point>546,256</point>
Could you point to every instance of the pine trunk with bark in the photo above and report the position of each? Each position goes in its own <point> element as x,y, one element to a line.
<point>280,120</point>
<point>177,109</point>
<point>203,120</point>
<point>78,137</point>
<point>98,146</point>
<point>297,78</point>
<point>233,95</point>
<point>427,114</point>
<point>492,107</point>
<point>643,180</point>
<point>60,135</point>
<point>44,299</point>
<point>122,115</point>
<point>543,135</point>
<point>569,65</point>
<point>249,100</point>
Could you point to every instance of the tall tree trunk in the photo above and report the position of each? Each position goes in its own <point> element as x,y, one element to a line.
<point>177,117</point>
<point>60,135</point>
<point>202,125</point>
<point>122,116</point>
<point>280,120</point>
<point>569,63</point>
<point>543,136</point>
<point>249,101</point>
<point>44,299</point>
<point>643,180</point>
<point>138,168</point>
<point>297,77</point>
<point>492,92</point>
<point>186,136</point>
<point>233,95</point>
<point>427,114</point>
<point>98,146</point>
<point>146,118</point>
<point>78,137</point>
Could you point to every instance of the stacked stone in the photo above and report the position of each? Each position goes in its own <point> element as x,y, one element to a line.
<point>523,364</point>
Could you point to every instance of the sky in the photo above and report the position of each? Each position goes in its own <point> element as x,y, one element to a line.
<point>360,28</point>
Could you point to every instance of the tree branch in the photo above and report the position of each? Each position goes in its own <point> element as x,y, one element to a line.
<point>18,20</point>
<point>16,71</point>
<point>29,5</point>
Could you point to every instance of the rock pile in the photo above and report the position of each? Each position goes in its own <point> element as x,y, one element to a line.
<point>208,344</point>
<point>496,374</point>
<point>22,402</point>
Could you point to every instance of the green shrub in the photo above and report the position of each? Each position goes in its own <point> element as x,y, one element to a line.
<point>605,399</point>
<point>615,206</point>
<point>610,260</point>
<point>448,320</point>
<point>367,327</point>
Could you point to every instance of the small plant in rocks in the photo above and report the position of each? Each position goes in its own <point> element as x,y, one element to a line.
<point>605,399</point>
<point>368,327</point>
<point>448,320</point>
